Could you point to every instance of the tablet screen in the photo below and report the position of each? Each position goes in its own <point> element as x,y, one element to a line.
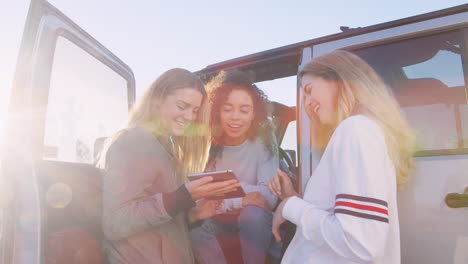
<point>220,176</point>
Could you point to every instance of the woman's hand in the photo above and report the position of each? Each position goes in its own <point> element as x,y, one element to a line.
<point>278,219</point>
<point>204,209</point>
<point>281,185</point>
<point>256,199</point>
<point>206,188</point>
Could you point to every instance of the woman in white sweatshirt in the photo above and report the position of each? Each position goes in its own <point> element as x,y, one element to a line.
<point>348,213</point>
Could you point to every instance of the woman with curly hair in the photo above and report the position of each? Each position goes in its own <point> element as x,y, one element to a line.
<point>244,143</point>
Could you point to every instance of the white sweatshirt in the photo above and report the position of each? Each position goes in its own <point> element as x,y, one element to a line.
<point>349,211</point>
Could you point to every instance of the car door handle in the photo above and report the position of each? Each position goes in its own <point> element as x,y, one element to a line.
<point>457,200</point>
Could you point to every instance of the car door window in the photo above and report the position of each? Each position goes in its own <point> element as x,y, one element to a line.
<point>426,76</point>
<point>283,91</point>
<point>68,91</point>
<point>87,101</point>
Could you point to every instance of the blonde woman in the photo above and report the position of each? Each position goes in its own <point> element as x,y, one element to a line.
<point>146,200</point>
<point>349,210</point>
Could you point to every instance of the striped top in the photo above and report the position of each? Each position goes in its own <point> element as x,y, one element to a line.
<point>349,211</point>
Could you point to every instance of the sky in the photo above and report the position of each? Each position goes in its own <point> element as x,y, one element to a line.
<point>152,36</point>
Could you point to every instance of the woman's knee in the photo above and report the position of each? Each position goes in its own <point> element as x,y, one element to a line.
<point>254,216</point>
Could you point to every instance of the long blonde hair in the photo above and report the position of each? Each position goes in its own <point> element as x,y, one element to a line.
<point>363,92</point>
<point>191,149</point>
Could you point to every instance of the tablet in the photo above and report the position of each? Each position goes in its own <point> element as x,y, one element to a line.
<point>217,177</point>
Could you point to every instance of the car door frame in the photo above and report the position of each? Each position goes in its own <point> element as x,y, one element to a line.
<point>23,241</point>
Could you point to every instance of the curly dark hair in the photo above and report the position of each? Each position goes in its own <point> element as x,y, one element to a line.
<point>219,90</point>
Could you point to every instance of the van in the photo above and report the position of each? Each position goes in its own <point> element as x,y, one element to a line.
<point>70,93</point>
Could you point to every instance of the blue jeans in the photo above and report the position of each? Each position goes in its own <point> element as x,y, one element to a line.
<point>253,228</point>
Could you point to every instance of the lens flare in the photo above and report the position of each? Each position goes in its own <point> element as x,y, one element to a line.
<point>59,195</point>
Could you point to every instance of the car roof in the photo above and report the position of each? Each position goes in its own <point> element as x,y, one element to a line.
<point>283,61</point>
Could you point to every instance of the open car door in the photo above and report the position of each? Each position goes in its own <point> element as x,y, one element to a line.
<point>69,93</point>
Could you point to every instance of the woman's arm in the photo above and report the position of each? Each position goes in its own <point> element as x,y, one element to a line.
<point>282,186</point>
<point>133,164</point>
<point>266,169</point>
<point>357,227</point>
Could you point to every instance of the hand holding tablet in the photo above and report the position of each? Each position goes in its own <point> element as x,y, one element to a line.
<point>220,176</point>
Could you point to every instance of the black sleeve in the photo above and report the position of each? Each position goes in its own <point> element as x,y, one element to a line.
<point>178,201</point>
<point>194,224</point>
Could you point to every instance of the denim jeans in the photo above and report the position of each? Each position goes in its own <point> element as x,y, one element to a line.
<point>253,228</point>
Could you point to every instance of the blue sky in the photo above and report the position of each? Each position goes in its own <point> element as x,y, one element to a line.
<point>152,36</point>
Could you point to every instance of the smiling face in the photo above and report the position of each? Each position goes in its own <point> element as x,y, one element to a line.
<point>320,98</point>
<point>178,109</point>
<point>236,117</point>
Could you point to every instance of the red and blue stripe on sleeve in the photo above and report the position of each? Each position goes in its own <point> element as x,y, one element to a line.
<point>363,207</point>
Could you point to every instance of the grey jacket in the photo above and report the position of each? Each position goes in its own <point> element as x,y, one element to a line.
<point>136,225</point>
